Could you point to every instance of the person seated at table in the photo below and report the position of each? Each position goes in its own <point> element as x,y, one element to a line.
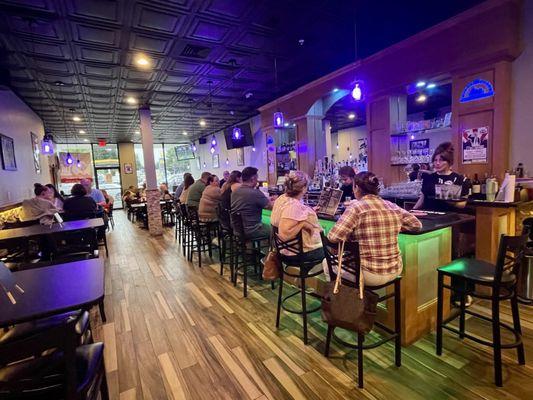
<point>196,190</point>
<point>166,196</point>
<point>95,194</point>
<point>79,205</point>
<point>179,189</point>
<point>291,216</point>
<point>209,200</point>
<point>347,175</point>
<point>163,188</point>
<point>130,194</point>
<point>249,202</point>
<point>187,183</point>
<point>225,177</point>
<point>55,197</point>
<point>374,223</point>
<point>39,208</point>
<point>234,181</point>
<point>109,200</point>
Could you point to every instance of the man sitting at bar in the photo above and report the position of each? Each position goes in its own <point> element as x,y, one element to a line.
<point>249,202</point>
<point>347,174</point>
<point>196,190</point>
<point>375,223</point>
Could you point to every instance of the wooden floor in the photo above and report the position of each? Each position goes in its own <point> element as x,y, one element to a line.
<point>177,331</point>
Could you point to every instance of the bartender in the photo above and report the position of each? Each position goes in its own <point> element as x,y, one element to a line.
<point>443,175</point>
<point>347,176</point>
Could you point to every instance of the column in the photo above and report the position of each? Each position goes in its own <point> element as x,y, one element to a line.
<point>155,224</point>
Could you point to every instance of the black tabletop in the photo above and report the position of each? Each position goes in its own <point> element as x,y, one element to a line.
<point>41,230</point>
<point>53,290</point>
<point>433,222</point>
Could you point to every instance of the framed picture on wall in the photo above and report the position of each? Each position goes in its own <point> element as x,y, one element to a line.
<point>216,163</point>
<point>36,152</point>
<point>7,150</point>
<point>240,156</point>
<point>128,168</point>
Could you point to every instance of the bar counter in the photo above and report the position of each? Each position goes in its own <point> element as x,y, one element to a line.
<point>422,253</point>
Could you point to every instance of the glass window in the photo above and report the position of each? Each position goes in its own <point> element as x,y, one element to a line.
<point>139,164</point>
<point>71,174</point>
<point>106,156</point>
<point>108,171</point>
<point>175,168</point>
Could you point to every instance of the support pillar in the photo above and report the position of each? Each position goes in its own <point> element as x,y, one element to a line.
<point>153,197</point>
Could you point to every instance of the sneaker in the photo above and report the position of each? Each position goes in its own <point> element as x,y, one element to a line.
<point>468,301</point>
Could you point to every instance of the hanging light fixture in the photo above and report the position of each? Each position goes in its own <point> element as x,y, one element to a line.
<point>357,91</point>
<point>213,141</point>
<point>68,159</point>
<point>47,145</point>
<point>237,133</point>
<point>227,161</point>
<point>193,147</point>
<point>278,115</point>
<point>212,150</point>
<point>253,148</point>
<point>278,119</point>
<point>78,163</point>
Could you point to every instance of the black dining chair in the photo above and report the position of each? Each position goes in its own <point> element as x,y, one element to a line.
<point>501,279</point>
<point>299,270</point>
<point>49,364</point>
<point>351,265</point>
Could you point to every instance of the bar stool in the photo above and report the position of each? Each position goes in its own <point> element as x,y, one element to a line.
<point>351,264</point>
<point>502,279</point>
<point>201,235</point>
<point>525,279</point>
<point>225,241</point>
<point>294,247</point>
<point>247,251</point>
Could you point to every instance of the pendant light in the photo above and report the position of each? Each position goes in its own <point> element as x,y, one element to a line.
<point>278,115</point>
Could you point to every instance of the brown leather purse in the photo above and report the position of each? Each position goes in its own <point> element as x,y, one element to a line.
<point>272,266</point>
<point>348,307</point>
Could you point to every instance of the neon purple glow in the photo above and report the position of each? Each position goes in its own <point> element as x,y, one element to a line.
<point>69,160</point>
<point>193,147</point>
<point>357,92</point>
<point>78,164</point>
<point>213,141</point>
<point>237,133</point>
<point>253,148</point>
<point>47,145</point>
<point>278,119</point>
<point>212,150</point>
<point>227,161</point>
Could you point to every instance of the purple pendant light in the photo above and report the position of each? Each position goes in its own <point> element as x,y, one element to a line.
<point>212,150</point>
<point>68,159</point>
<point>193,147</point>
<point>237,134</point>
<point>47,145</point>
<point>357,91</point>
<point>278,119</point>
<point>78,164</point>
<point>278,115</point>
<point>213,141</point>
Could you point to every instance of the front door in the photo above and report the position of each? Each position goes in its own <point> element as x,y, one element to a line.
<point>109,180</point>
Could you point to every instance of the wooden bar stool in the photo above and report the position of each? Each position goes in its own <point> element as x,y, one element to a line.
<point>501,279</point>
<point>294,248</point>
<point>351,264</point>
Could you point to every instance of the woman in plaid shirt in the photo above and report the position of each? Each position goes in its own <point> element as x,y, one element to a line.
<point>375,223</point>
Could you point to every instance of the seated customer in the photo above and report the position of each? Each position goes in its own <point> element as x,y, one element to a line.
<point>249,202</point>
<point>55,197</point>
<point>95,194</point>
<point>234,181</point>
<point>294,216</point>
<point>187,183</point>
<point>375,223</point>
<point>196,190</point>
<point>79,205</point>
<point>209,201</point>
<point>40,207</point>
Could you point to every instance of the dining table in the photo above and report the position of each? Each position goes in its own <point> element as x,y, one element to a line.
<point>52,290</point>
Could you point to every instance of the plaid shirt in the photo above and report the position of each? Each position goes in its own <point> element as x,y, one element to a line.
<point>375,224</point>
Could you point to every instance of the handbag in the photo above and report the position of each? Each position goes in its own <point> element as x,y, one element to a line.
<point>272,266</point>
<point>348,307</point>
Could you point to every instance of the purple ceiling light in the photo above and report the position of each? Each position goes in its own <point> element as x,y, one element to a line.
<point>193,147</point>
<point>237,134</point>
<point>69,160</point>
<point>212,149</point>
<point>278,119</point>
<point>47,145</point>
<point>214,141</point>
<point>357,92</point>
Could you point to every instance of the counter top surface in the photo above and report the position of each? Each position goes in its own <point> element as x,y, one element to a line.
<point>501,204</point>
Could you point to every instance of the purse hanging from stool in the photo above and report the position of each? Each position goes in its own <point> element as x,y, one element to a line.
<point>348,307</point>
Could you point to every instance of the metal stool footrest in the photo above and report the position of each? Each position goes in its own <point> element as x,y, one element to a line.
<point>299,312</point>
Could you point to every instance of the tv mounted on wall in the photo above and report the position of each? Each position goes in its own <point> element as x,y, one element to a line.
<point>245,138</point>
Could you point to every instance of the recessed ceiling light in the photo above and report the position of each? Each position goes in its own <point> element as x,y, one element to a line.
<point>202,122</point>
<point>286,124</point>
<point>248,95</point>
<point>82,132</point>
<point>184,133</point>
<point>420,84</point>
<point>85,140</point>
<point>137,132</point>
<point>142,61</point>
<point>131,100</point>
<point>431,85</point>
<point>335,90</point>
<point>421,98</point>
<point>351,116</point>
<point>76,118</point>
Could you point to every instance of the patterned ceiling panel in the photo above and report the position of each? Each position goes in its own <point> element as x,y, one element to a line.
<point>210,59</point>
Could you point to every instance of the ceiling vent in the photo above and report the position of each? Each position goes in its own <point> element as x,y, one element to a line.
<point>194,51</point>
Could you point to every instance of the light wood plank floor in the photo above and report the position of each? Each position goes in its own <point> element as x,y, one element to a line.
<point>180,332</point>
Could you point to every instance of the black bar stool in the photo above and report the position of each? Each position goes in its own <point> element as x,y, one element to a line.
<point>201,240</point>
<point>351,264</point>
<point>502,279</point>
<point>294,248</point>
<point>248,251</point>
<point>225,241</point>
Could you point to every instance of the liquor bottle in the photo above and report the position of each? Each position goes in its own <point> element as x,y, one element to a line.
<point>484,184</point>
<point>467,183</point>
<point>476,185</point>
<point>520,170</point>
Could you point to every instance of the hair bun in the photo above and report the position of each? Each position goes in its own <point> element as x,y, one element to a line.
<point>36,185</point>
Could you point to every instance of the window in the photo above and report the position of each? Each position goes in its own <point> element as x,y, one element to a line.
<point>69,175</point>
<point>168,168</point>
<point>107,168</point>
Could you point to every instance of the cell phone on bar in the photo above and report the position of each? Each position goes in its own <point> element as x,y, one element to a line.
<point>59,219</point>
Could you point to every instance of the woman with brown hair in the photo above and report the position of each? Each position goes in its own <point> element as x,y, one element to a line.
<point>375,224</point>
<point>187,183</point>
<point>207,210</point>
<point>295,217</point>
<point>442,164</point>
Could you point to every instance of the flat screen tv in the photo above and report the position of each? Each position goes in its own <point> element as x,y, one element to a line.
<point>246,138</point>
<point>184,152</point>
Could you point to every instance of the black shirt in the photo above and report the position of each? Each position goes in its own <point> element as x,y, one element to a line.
<point>428,190</point>
<point>79,205</point>
<point>347,191</point>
